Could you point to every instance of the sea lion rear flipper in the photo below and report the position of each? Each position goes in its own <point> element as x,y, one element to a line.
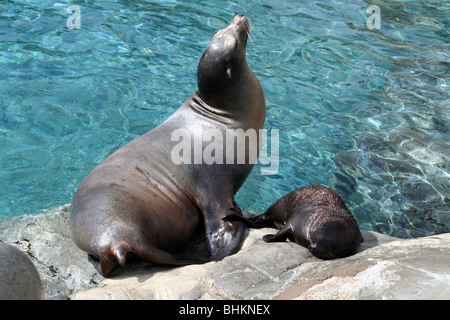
<point>116,257</point>
<point>161,257</point>
<point>281,236</point>
<point>103,265</point>
<point>110,259</point>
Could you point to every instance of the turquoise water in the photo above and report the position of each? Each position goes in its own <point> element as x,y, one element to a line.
<point>363,111</point>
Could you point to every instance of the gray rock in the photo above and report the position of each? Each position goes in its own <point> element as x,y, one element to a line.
<point>19,279</point>
<point>384,268</point>
<point>45,239</point>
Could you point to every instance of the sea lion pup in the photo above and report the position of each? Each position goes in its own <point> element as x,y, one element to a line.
<point>315,217</point>
<point>141,202</point>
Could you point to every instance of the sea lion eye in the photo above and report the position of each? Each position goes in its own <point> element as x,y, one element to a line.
<point>229,73</point>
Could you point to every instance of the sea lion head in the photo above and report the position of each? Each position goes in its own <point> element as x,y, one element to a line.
<point>334,239</point>
<point>223,61</point>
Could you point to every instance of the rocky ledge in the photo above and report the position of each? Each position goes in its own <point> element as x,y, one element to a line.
<point>384,268</point>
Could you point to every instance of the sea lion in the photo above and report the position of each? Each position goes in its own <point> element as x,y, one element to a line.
<point>314,217</point>
<point>19,279</point>
<point>139,202</point>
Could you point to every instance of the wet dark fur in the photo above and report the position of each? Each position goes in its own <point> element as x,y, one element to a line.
<point>314,217</point>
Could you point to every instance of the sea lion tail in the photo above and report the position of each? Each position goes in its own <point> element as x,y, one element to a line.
<point>120,253</point>
<point>110,259</point>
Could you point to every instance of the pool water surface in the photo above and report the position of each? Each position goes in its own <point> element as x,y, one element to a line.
<point>363,111</point>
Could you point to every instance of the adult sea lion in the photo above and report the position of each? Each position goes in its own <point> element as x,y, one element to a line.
<point>19,279</point>
<point>139,202</point>
<point>315,217</point>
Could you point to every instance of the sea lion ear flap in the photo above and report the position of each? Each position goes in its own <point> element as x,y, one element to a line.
<point>229,73</point>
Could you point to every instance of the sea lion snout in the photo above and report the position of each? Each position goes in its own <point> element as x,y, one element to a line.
<point>237,32</point>
<point>312,247</point>
<point>241,21</point>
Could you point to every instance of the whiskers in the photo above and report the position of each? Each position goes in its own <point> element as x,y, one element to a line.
<point>328,256</point>
<point>249,37</point>
<point>247,27</point>
<point>324,255</point>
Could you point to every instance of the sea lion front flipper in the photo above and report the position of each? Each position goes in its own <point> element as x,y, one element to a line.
<point>223,237</point>
<point>261,221</point>
<point>281,236</point>
<point>237,216</point>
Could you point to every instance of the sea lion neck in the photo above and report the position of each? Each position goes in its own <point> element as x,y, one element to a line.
<point>201,107</point>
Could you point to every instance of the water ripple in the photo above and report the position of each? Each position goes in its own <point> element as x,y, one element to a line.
<point>363,111</point>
